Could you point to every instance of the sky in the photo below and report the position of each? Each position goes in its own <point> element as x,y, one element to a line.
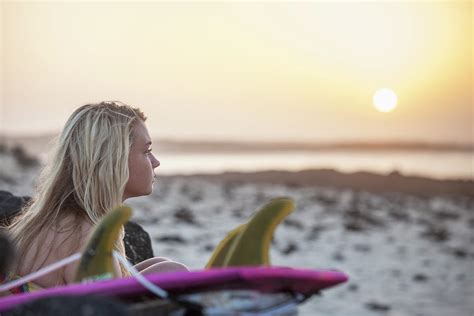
<point>249,71</point>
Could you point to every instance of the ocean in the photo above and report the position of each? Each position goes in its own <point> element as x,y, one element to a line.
<point>442,161</point>
<point>432,164</point>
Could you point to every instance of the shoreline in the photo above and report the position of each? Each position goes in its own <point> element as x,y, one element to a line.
<point>21,170</point>
<point>359,181</point>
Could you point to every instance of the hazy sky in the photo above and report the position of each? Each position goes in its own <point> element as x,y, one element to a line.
<point>245,71</point>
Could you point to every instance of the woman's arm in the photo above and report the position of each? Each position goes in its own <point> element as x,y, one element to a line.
<point>160,264</point>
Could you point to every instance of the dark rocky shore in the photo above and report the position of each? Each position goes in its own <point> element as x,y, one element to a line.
<point>359,181</point>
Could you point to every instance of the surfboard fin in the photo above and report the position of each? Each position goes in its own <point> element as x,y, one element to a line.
<point>97,260</point>
<point>220,252</point>
<point>249,244</point>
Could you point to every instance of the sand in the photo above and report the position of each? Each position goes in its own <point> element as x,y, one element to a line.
<point>406,243</point>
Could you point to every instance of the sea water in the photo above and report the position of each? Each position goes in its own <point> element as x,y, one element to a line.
<point>433,164</point>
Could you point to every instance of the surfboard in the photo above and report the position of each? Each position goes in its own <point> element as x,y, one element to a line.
<point>253,289</point>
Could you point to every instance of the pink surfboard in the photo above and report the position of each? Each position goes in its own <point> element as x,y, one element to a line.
<point>261,279</point>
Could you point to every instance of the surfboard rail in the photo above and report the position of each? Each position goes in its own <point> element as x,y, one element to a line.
<point>274,279</point>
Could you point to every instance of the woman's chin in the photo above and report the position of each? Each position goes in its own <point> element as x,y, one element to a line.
<point>147,191</point>
<point>150,191</point>
<point>138,194</point>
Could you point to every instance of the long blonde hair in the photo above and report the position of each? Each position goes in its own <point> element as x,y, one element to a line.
<point>86,176</point>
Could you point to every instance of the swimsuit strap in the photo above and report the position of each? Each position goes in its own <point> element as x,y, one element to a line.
<point>22,288</point>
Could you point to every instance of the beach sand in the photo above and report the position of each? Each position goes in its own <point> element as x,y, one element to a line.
<point>406,243</point>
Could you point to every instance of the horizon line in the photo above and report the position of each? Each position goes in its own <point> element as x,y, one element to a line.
<point>202,144</point>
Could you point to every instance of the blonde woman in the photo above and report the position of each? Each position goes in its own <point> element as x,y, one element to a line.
<point>103,157</point>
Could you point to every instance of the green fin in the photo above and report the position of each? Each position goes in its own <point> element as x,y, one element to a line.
<point>252,247</point>
<point>97,260</point>
<point>222,249</point>
<point>249,244</point>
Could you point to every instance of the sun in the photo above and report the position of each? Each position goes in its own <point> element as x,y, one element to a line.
<point>385,100</point>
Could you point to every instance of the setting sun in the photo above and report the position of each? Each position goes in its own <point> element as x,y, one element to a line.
<point>222,63</point>
<point>385,100</point>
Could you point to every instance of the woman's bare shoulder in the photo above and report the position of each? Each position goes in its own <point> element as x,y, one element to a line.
<point>85,228</point>
<point>54,245</point>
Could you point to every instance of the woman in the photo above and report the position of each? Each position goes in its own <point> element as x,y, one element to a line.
<point>103,157</point>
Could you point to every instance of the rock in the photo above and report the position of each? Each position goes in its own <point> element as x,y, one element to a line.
<point>353,287</point>
<point>470,222</point>
<point>196,197</point>
<point>327,200</point>
<point>228,190</point>
<point>137,243</point>
<point>399,216</point>
<point>315,232</point>
<point>237,213</point>
<point>260,198</point>
<point>171,239</point>
<point>289,249</point>
<point>436,233</point>
<point>362,248</point>
<point>338,256</point>
<point>378,307</point>
<point>208,248</point>
<point>420,277</point>
<point>23,159</point>
<point>10,205</point>
<point>354,226</point>
<point>358,218</point>
<point>70,306</point>
<point>293,223</point>
<point>7,251</point>
<point>447,215</point>
<point>423,222</point>
<point>459,252</point>
<point>185,189</point>
<point>7,178</point>
<point>184,215</point>
<point>361,220</point>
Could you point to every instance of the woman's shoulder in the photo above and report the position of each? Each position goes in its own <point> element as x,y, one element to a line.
<point>56,243</point>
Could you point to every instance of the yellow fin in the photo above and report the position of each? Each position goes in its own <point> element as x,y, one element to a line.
<point>252,245</point>
<point>222,249</point>
<point>249,243</point>
<point>97,261</point>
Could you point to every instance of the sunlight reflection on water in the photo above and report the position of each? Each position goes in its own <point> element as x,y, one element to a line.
<point>432,164</point>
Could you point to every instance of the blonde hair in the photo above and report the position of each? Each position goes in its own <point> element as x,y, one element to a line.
<point>86,176</point>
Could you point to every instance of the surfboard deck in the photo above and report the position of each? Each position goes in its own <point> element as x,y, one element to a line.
<point>260,279</point>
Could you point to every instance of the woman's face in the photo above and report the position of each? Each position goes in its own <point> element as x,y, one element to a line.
<point>141,163</point>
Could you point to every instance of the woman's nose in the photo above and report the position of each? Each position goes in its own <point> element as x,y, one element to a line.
<point>154,162</point>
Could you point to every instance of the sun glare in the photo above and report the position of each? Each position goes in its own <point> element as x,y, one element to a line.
<point>385,100</point>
